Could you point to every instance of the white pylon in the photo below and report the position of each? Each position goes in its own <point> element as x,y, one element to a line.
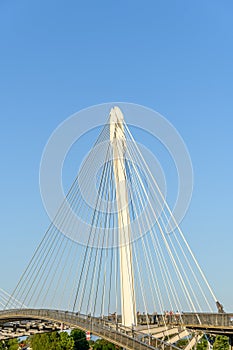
<point>118,141</point>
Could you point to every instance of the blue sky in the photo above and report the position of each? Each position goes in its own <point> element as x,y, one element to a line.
<point>57,57</point>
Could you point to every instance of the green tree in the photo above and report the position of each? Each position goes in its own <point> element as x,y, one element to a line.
<point>52,341</point>
<point>66,341</point>
<point>202,344</point>
<point>11,344</point>
<point>40,341</point>
<point>182,343</point>
<point>79,338</point>
<point>102,344</point>
<point>2,345</point>
<point>221,343</point>
<point>48,341</point>
<point>60,341</point>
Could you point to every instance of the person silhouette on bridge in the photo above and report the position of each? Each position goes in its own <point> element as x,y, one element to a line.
<point>220,307</point>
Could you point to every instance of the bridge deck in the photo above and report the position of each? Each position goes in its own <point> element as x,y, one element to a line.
<point>141,337</point>
<point>119,335</point>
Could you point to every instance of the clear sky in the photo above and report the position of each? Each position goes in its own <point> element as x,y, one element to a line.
<point>57,57</point>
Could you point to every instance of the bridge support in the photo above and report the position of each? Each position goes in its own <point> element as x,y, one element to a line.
<point>118,141</point>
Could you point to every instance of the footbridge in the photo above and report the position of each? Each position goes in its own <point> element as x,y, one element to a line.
<point>26,322</point>
<point>110,259</point>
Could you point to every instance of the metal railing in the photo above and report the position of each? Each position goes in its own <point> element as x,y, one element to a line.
<point>125,337</point>
<point>129,338</point>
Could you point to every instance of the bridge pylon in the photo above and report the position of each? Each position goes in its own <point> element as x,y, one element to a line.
<point>118,141</point>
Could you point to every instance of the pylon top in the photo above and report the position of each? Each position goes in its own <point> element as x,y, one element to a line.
<point>116,124</point>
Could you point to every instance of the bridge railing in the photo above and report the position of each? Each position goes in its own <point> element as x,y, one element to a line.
<point>125,337</point>
<point>216,320</point>
<point>113,331</point>
<point>209,319</point>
